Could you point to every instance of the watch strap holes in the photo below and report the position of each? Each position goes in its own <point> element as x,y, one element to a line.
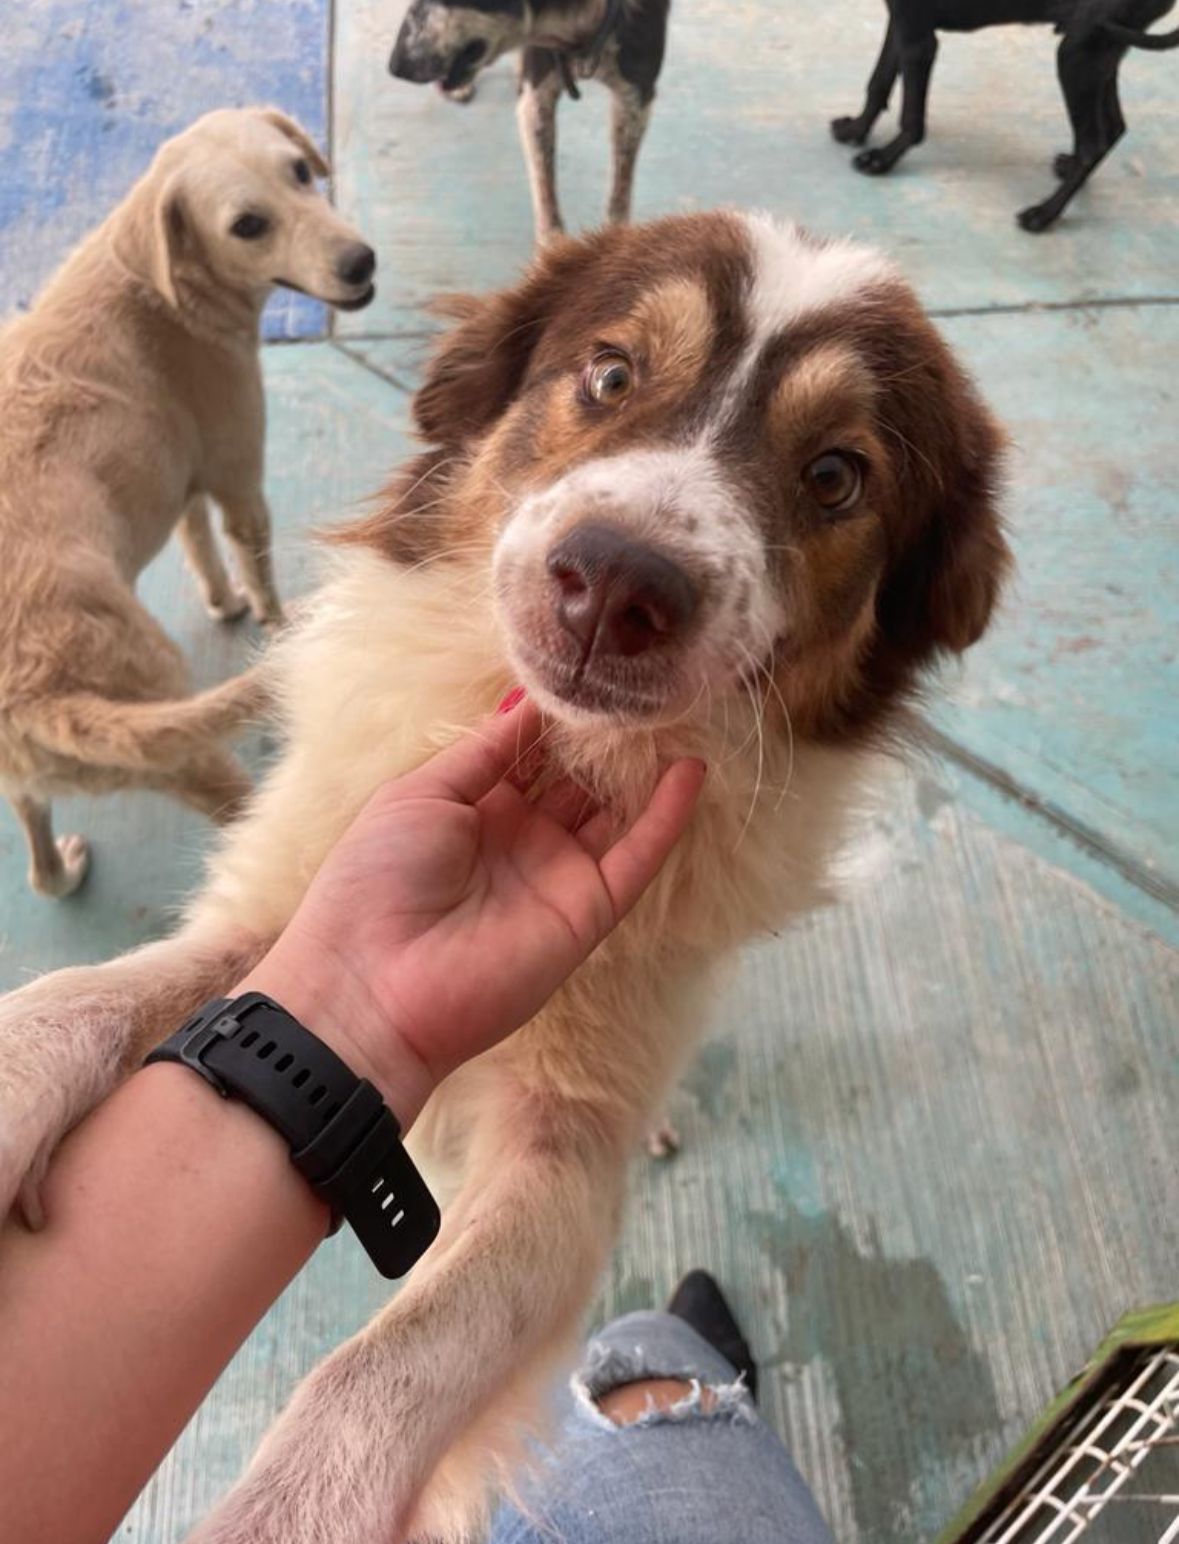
<point>249,1037</point>
<point>283,1062</point>
<point>316,1094</point>
<point>300,1077</point>
<point>266,1050</point>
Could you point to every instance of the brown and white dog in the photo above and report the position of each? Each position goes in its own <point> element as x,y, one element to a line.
<point>710,487</point>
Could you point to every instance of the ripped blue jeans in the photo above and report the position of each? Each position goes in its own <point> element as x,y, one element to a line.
<point>682,1476</point>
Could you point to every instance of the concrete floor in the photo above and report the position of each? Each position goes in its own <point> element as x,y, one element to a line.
<point>931,1143</point>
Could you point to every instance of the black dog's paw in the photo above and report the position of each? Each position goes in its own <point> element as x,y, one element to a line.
<point>1064,164</point>
<point>1036,218</point>
<point>848,131</point>
<point>873,163</point>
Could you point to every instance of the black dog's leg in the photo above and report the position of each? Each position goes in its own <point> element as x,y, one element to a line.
<point>1089,80</point>
<point>916,58</point>
<point>854,131</point>
<point>1113,124</point>
<point>536,116</point>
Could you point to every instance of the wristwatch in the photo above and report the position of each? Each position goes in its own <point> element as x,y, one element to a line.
<point>343,1137</point>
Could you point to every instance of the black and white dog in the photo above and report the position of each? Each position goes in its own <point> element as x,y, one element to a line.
<point>1096,35</point>
<point>619,42</point>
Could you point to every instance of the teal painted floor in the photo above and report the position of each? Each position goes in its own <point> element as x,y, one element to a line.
<point>930,1144</point>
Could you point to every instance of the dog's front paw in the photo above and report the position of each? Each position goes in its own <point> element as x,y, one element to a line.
<point>270,617</point>
<point>34,1116</point>
<point>663,1141</point>
<point>848,131</point>
<point>1036,218</point>
<point>231,607</point>
<point>67,876</point>
<point>873,163</point>
<point>32,1123</point>
<point>57,1060</point>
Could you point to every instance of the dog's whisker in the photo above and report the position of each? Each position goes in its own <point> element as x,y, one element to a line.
<point>757,718</point>
<point>772,684</point>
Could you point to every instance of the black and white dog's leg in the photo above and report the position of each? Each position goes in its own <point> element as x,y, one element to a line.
<point>631,70</point>
<point>630,110</point>
<point>536,114</point>
<point>854,131</point>
<point>916,57</point>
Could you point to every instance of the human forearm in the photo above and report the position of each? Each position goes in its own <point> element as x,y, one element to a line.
<point>176,1218</point>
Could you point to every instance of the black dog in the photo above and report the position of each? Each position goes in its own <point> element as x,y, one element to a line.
<point>619,42</point>
<point>1096,35</point>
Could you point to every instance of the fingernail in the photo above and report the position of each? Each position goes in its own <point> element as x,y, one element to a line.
<point>513,700</point>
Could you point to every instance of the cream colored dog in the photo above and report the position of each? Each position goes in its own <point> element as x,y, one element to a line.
<point>706,487</point>
<point>131,395</point>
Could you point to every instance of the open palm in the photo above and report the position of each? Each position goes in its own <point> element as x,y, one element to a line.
<point>454,906</point>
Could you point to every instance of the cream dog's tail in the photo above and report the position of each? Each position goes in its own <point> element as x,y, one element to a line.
<point>143,736</point>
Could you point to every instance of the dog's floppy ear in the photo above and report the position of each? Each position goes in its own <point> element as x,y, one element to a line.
<point>951,557</point>
<point>299,136</point>
<point>151,232</point>
<point>480,364</point>
<point>169,232</point>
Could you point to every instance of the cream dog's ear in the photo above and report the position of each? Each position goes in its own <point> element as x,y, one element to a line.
<point>168,233</point>
<point>293,132</point>
<point>152,231</point>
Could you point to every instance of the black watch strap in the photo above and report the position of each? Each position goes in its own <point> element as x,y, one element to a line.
<point>342,1136</point>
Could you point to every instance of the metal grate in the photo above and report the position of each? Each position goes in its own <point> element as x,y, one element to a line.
<point>1115,1475</point>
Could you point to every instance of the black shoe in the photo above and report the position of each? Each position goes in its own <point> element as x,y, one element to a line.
<point>698,1301</point>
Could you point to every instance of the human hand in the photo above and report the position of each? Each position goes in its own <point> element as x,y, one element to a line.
<point>453,907</point>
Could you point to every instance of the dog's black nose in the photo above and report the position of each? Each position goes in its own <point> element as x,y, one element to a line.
<point>357,264</point>
<point>617,596</point>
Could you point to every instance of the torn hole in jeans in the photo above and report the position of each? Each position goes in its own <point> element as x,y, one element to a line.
<point>607,1368</point>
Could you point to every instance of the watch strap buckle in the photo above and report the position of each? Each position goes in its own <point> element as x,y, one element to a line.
<point>196,1038</point>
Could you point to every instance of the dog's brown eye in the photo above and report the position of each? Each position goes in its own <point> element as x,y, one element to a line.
<point>834,480</point>
<point>609,380</point>
<point>302,171</point>
<point>250,226</point>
